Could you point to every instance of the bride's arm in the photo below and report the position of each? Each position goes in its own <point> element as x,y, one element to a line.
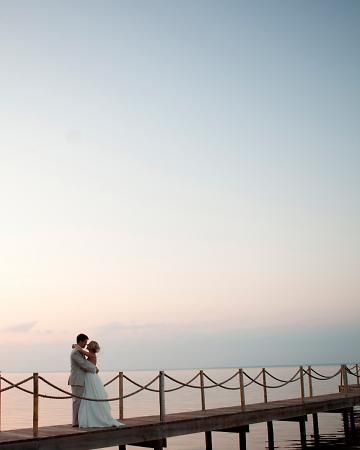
<point>81,350</point>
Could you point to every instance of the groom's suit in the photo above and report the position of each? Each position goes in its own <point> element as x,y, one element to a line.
<point>79,366</point>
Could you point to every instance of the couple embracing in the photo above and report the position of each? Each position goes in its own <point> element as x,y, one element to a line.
<point>85,382</point>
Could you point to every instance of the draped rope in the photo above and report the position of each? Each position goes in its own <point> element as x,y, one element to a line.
<point>319,376</point>
<point>253,380</point>
<point>17,385</point>
<point>143,387</point>
<point>182,385</point>
<point>70,394</point>
<point>275,378</point>
<point>215,384</point>
<point>291,380</point>
<point>111,381</point>
<point>350,372</point>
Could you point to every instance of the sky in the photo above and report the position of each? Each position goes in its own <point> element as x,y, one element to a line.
<point>179,181</point>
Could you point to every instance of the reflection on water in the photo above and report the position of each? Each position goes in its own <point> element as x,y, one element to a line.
<point>338,439</point>
<point>17,407</point>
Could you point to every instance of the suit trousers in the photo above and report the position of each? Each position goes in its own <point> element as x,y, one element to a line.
<point>76,390</point>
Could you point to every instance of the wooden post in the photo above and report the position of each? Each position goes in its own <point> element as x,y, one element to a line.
<point>121,395</point>
<point>310,382</point>
<point>35,404</point>
<point>208,437</point>
<point>162,395</point>
<point>202,390</point>
<point>264,384</point>
<point>357,373</point>
<point>342,375</point>
<point>302,382</point>
<point>345,378</point>
<point>242,389</point>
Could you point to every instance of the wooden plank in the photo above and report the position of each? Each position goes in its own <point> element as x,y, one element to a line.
<point>245,428</point>
<point>351,388</point>
<point>295,419</point>
<point>151,444</point>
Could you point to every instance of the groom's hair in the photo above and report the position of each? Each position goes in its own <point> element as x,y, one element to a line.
<point>81,337</point>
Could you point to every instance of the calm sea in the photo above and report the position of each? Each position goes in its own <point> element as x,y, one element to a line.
<point>17,406</point>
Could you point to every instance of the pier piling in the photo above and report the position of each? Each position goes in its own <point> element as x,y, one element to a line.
<point>316,427</point>
<point>270,430</point>
<point>302,427</point>
<point>242,439</point>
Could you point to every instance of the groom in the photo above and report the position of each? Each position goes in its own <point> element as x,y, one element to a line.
<point>79,366</point>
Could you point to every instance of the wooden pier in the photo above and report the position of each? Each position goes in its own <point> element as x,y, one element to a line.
<point>149,431</point>
<point>153,431</point>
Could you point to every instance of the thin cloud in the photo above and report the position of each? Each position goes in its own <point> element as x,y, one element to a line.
<point>114,327</point>
<point>24,327</point>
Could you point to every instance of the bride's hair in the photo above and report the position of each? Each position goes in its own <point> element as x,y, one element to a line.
<point>93,346</point>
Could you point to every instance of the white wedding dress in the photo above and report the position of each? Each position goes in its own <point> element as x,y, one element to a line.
<point>95,414</point>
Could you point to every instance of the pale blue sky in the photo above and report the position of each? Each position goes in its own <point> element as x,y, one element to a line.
<point>184,165</point>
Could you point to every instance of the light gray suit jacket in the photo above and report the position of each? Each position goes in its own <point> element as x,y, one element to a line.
<point>79,366</point>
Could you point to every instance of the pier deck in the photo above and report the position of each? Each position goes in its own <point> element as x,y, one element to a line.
<point>144,431</point>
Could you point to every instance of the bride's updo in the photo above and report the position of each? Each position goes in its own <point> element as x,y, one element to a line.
<point>93,346</point>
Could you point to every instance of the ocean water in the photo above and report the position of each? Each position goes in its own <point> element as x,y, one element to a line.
<point>17,406</point>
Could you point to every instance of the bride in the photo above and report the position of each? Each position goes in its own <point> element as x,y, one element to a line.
<point>94,414</point>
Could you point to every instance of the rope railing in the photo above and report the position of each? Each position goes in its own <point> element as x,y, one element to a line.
<point>252,380</point>
<point>279,379</point>
<point>17,385</point>
<point>284,383</point>
<point>69,394</point>
<point>319,376</point>
<point>215,384</point>
<point>311,373</point>
<point>142,388</point>
<point>182,385</point>
<point>351,373</point>
<point>116,377</point>
<point>146,387</point>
